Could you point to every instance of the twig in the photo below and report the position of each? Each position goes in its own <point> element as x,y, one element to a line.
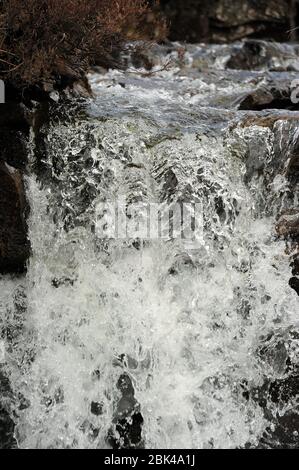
<point>6,62</point>
<point>166,67</point>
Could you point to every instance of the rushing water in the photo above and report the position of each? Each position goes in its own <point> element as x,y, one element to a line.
<point>196,332</point>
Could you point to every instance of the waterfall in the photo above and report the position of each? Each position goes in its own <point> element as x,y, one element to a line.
<point>179,342</point>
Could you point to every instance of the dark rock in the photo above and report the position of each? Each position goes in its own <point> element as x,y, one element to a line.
<point>283,434</point>
<point>13,144</point>
<point>96,408</point>
<point>294,284</point>
<point>7,440</point>
<point>7,425</point>
<point>279,352</point>
<point>270,118</point>
<point>127,430</point>
<point>14,246</point>
<point>288,224</point>
<point>262,18</point>
<point>295,265</point>
<point>224,20</point>
<point>284,390</point>
<point>189,19</point>
<point>16,119</point>
<point>292,169</point>
<point>272,96</point>
<point>63,281</point>
<point>260,55</point>
<point>250,56</point>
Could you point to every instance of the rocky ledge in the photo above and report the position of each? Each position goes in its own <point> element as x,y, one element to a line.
<point>222,21</point>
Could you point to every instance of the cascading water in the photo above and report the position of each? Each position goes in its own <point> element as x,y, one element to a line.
<point>196,333</point>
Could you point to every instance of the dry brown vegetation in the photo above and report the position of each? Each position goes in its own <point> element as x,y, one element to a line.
<point>46,42</point>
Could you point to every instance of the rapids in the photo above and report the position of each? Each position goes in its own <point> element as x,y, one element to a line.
<point>198,333</point>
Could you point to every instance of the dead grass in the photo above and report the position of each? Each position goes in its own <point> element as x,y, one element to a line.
<point>48,43</point>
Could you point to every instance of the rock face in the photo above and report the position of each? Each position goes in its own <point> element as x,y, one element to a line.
<point>288,224</point>
<point>7,440</point>
<point>225,20</point>
<point>14,246</point>
<point>128,421</point>
<point>14,131</point>
<point>15,122</point>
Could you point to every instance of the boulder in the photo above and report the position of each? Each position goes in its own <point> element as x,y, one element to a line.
<point>288,224</point>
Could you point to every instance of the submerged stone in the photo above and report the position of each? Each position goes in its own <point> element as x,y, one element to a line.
<point>7,426</point>
<point>288,224</point>
<point>128,420</point>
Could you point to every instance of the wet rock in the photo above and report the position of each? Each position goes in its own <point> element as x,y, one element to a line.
<point>283,433</point>
<point>279,393</point>
<point>295,265</point>
<point>189,19</point>
<point>63,281</point>
<point>15,116</point>
<point>7,440</point>
<point>260,55</point>
<point>283,139</point>
<point>14,246</point>
<point>96,408</point>
<point>294,284</point>
<point>292,170</point>
<point>127,430</point>
<point>224,20</point>
<point>181,262</point>
<point>288,224</point>
<point>15,122</point>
